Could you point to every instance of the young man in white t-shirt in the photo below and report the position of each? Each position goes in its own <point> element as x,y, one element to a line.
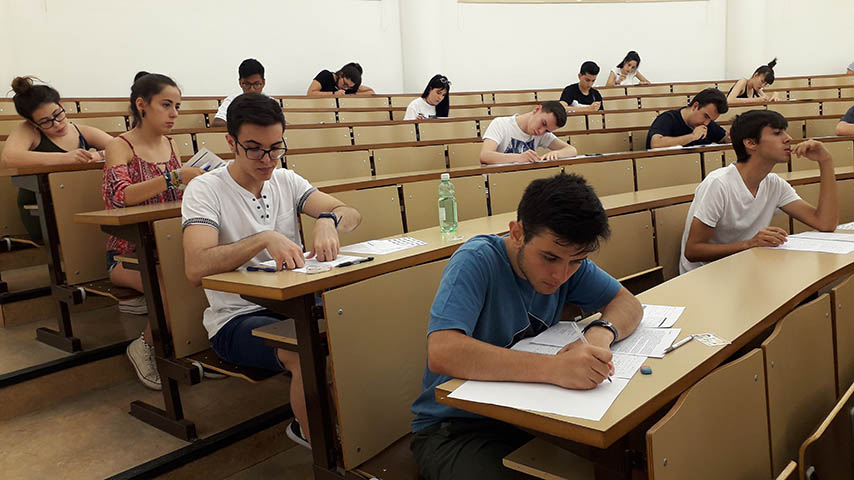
<point>250,75</point>
<point>516,139</point>
<point>733,206</point>
<point>248,213</point>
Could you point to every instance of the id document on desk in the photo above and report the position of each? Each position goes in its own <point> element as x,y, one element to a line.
<point>544,398</point>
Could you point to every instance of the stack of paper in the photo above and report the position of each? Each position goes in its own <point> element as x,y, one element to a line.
<point>382,247</point>
<point>206,160</point>
<point>839,243</point>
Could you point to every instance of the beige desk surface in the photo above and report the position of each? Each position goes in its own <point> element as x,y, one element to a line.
<point>736,298</point>
<point>14,172</point>
<point>285,285</point>
<point>131,215</point>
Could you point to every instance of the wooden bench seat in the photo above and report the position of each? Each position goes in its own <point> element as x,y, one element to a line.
<point>105,288</point>
<point>542,459</point>
<point>209,359</point>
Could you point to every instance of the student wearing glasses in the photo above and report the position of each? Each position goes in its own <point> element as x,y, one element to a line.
<point>433,103</point>
<point>143,168</point>
<point>250,75</point>
<point>248,213</point>
<point>346,81</point>
<point>46,137</point>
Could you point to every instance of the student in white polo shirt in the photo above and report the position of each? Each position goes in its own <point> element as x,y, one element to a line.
<point>250,75</point>
<point>733,206</point>
<point>248,213</point>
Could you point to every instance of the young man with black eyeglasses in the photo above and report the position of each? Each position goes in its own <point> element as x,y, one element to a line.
<point>246,214</point>
<point>251,77</point>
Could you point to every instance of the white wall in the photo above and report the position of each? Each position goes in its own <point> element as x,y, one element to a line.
<point>533,46</point>
<point>94,47</point>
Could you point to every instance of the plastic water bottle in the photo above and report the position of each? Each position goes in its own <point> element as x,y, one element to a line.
<point>447,205</point>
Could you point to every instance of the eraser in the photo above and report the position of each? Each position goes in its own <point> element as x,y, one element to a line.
<point>646,370</point>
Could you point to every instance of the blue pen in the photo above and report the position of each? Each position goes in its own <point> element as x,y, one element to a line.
<point>260,269</point>
<point>207,168</point>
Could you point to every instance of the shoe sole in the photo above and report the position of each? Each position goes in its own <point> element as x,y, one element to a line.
<point>296,438</point>
<point>148,383</point>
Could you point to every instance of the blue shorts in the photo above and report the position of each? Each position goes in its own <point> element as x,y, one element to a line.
<point>235,343</point>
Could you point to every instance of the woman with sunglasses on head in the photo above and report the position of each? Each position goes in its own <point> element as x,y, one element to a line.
<point>46,137</point>
<point>142,167</point>
<point>433,103</point>
<point>346,81</point>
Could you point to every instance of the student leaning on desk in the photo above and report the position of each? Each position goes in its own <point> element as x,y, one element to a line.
<point>247,213</point>
<point>496,291</point>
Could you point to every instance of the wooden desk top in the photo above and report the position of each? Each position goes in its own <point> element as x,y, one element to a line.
<point>131,215</point>
<point>14,172</point>
<point>286,285</point>
<point>736,298</point>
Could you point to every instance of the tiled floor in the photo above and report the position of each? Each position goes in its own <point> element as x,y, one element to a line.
<point>92,436</point>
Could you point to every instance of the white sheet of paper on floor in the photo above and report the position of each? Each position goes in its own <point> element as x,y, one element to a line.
<point>540,397</point>
<point>383,247</point>
<point>660,316</point>
<point>647,342</point>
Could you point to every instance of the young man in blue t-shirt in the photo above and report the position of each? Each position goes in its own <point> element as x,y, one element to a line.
<point>496,291</point>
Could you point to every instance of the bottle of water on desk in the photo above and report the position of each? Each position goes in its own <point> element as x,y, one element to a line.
<point>447,205</point>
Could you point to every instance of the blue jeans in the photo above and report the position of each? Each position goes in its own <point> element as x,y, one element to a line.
<point>235,343</point>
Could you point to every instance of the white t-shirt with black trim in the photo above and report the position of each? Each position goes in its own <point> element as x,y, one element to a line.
<point>222,111</point>
<point>217,201</point>
<point>511,139</point>
<point>419,105</point>
<point>723,202</point>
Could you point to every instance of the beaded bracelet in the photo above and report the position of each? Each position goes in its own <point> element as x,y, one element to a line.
<point>173,179</point>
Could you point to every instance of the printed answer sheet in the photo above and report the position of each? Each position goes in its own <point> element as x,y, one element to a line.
<point>382,247</point>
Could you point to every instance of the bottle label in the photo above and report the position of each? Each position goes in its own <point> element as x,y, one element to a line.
<point>441,214</point>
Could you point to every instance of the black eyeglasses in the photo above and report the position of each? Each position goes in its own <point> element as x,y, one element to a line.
<point>255,153</point>
<point>48,123</point>
<point>252,84</point>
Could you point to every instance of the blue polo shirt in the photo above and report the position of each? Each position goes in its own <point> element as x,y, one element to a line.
<point>481,295</point>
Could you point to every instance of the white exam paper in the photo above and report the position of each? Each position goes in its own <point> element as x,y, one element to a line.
<point>312,262</point>
<point>540,397</point>
<point>647,342</point>
<point>660,316</point>
<point>382,247</point>
<point>625,365</point>
<point>837,237</point>
<point>812,245</point>
<point>846,226</point>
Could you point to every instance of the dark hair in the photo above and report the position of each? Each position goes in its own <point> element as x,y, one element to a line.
<point>767,71</point>
<point>557,109</point>
<point>589,68</point>
<point>440,81</point>
<point>749,125</point>
<point>250,67</point>
<point>353,72</point>
<point>146,85</point>
<point>29,97</point>
<point>255,109</point>
<point>712,96</point>
<point>632,55</point>
<point>566,205</point>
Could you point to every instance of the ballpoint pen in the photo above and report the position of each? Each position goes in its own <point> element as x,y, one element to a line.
<point>679,344</point>
<point>584,340</point>
<point>253,268</point>
<point>355,262</point>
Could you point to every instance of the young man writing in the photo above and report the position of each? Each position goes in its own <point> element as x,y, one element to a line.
<point>248,213</point>
<point>691,125</point>
<point>582,96</point>
<point>250,75</point>
<point>733,206</point>
<point>496,291</point>
<point>516,139</point>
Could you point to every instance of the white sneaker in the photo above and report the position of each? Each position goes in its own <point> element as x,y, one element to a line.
<point>141,356</point>
<point>134,306</point>
<point>294,432</point>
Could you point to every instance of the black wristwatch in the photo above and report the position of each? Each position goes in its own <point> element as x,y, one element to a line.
<point>605,324</point>
<point>335,218</point>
